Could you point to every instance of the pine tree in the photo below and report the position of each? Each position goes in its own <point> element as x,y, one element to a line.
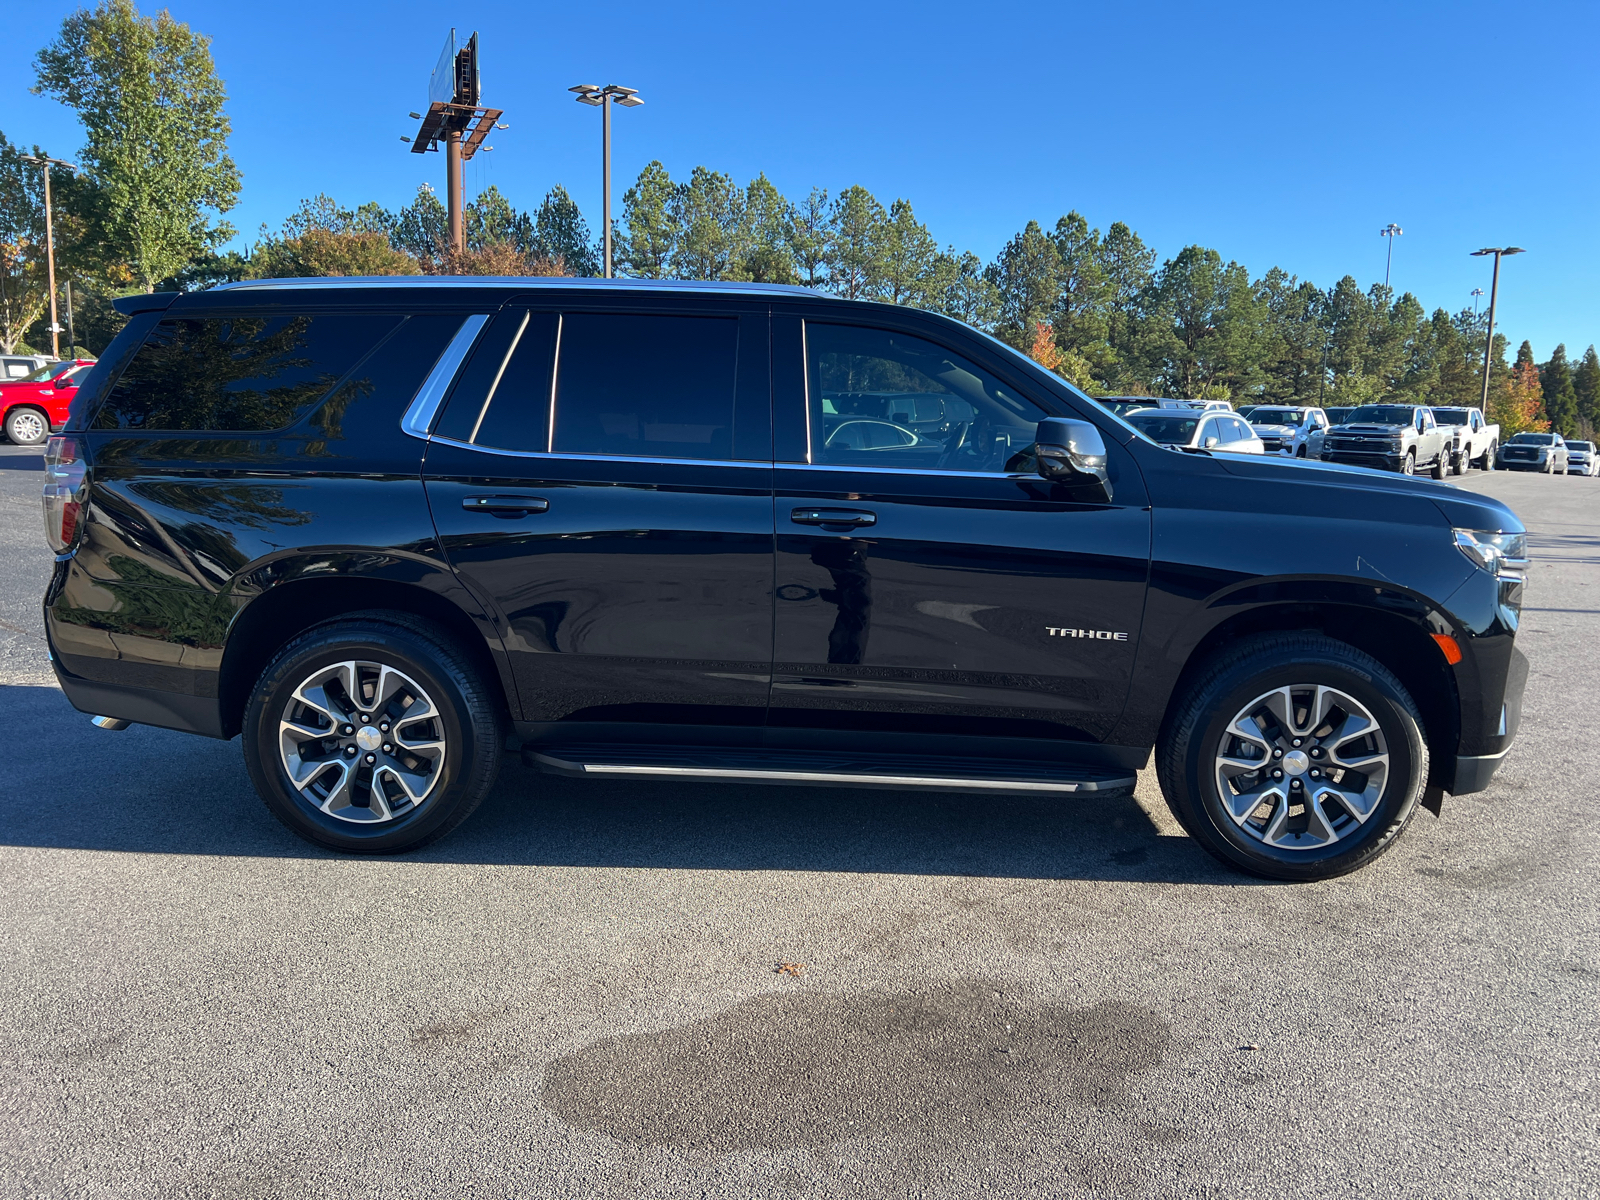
<point>1586,386</point>
<point>765,254</point>
<point>856,228</point>
<point>908,259</point>
<point>1027,276</point>
<point>647,237</point>
<point>561,235</point>
<point>810,240</point>
<point>1560,398</point>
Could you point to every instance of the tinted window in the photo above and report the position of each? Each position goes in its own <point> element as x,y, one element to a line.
<point>886,399</point>
<point>1175,431</point>
<point>244,374</point>
<point>367,406</point>
<point>653,387</point>
<point>1277,416</point>
<point>1446,416</point>
<point>502,396</point>
<point>1241,431</point>
<point>1534,439</point>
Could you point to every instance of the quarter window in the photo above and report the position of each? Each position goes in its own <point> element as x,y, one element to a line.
<point>882,398</point>
<point>238,374</point>
<point>502,396</point>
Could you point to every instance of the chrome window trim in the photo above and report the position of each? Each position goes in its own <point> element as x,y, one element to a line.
<point>418,418</point>
<point>853,467</point>
<point>805,375</point>
<point>516,340</point>
<point>555,376</point>
<point>764,463</point>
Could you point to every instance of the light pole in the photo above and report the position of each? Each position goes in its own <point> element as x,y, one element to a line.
<point>1494,291</point>
<point>1477,296</point>
<point>588,93</point>
<point>45,162</point>
<point>1390,231</point>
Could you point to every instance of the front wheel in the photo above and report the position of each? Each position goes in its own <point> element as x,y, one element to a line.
<point>1408,464</point>
<point>1293,756</point>
<point>373,734</point>
<point>1440,466</point>
<point>1458,464</point>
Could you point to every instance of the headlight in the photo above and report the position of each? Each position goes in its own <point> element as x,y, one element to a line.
<point>1496,553</point>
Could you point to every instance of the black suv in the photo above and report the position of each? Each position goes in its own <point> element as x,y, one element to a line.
<point>387,530</point>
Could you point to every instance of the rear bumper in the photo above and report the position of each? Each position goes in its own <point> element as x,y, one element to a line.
<point>142,706</point>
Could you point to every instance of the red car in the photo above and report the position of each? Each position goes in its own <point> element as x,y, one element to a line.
<point>32,406</point>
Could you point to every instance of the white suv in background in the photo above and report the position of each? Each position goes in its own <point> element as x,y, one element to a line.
<point>1582,459</point>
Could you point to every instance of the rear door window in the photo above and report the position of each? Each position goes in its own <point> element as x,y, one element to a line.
<point>239,374</point>
<point>645,386</point>
<point>501,399</point>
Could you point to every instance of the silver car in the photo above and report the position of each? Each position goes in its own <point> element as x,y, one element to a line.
<point>1582,459</point>
<point>1197,430</point>
<point>1290,430</point>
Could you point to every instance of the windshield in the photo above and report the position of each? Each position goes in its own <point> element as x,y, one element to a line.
<point>48,371</point>
<point>1451,416</point>
<point>1163,428</point>
<point>1584,446</point>
<point>1381,414</point>
<point>1535,439</point>
<point>1278,416</point>
<point>1338,415</point>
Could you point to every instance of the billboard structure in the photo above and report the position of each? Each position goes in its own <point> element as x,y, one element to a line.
<point>457,120</point>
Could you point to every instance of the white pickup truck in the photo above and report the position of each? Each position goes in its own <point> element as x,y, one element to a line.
<point>1472,441</point>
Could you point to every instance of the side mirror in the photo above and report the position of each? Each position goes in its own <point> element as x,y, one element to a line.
<point>63,383</point>
<point>1208,443</point>
<point>1072,452</point>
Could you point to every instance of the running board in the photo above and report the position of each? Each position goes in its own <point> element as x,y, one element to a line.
<point>825,769</point>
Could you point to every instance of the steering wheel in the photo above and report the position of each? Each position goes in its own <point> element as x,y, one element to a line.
<point>954,444</point>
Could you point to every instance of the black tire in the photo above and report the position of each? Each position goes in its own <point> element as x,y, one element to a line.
<point>1439,467</point>
<point>1489,463</point>
<point>27,426</point>
<point>469,713</point>
<point>1408,464</point>
<point>1458,464</point>
<point>1197,721</point>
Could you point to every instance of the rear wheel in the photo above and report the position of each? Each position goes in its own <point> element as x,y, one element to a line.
<point>27,426</point>
<point>1294,756</point>
<point>372,735</point>
<point>1489,456</point>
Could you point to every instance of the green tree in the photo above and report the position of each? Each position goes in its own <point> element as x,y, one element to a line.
<point>1295,345</point>
<point>961,290</point>
<point>561,235</point>
<point>907,260</point>
<point>855,243</point>
<point>1206,327</point>
<point>23,291</point>
<point>709,214</point>
<point>810,238</point>
<point>155,161</point>
<point>1082,291</point>
<point>1026,275</point>
<point>490,220</point>
<point>1586,387</point>
<point>422,227</point>
<point>1560,394</point>
<point>647,237</point>
<point>765,253</point>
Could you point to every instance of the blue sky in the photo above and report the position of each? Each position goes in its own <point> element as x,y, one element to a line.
<point>1282,134</point>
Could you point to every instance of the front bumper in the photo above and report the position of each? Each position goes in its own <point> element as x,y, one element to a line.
<point>1472,772</point>
<point>1363,458</point>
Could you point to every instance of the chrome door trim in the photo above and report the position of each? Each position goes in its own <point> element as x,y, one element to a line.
<point>418,418</point>
<point>763,463</point>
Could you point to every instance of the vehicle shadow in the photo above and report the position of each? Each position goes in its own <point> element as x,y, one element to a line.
<point>22,462</point>
<point>153,791</point>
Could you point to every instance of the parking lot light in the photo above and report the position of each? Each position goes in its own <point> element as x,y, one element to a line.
<point>1494,289</point>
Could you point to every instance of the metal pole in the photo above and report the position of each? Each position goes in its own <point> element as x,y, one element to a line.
<point>452,155</point>
<point>1387,263</point>
<point>50,264</point>
<point>1488,344</point>
<point>72,336</point>
<point>605,175</point>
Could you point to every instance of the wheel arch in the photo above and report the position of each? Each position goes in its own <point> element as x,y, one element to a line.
<point>1397,634</point>
<point>302,601</point>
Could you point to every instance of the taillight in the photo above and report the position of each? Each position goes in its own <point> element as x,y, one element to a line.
<point>64,475</point>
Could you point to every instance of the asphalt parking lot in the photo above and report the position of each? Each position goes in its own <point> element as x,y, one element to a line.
<point>578,994</point>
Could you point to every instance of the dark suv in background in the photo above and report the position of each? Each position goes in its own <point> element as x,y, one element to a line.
<point>386,530</point>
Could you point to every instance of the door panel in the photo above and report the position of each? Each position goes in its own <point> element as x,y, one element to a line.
<point>955,610</point>
<point>634,585</point>
<point>953,593</point>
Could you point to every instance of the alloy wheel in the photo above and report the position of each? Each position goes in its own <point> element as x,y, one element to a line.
<point>27,428</point>
<point>1302,767</point>
<point>362,741</point>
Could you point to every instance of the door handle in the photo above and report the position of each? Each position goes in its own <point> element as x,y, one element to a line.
<point>833,516</point>
<point>505,506</point>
